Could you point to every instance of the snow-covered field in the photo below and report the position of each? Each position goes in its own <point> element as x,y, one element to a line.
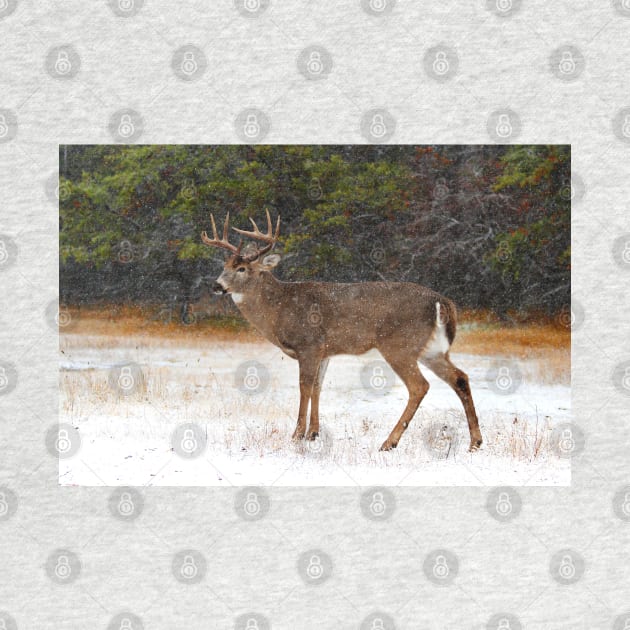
<point>132,398</point>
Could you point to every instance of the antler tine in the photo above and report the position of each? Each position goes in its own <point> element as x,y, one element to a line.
<point>269,237</point>
<point>222,243</point>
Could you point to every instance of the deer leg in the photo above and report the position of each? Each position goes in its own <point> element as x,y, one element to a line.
<point>458,380</point>
<point>417,386</point>
<point>308,374</point>
<point>313,427</point>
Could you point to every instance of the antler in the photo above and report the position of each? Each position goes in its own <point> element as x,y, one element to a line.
<point>270,238</point>
<point>223,243</point>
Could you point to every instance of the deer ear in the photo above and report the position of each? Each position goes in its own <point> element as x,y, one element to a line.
<point>269,262</point>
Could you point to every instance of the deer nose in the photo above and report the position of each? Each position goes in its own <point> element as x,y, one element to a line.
<point>218,288</point>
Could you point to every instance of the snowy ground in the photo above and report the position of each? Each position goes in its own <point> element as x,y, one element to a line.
<point>242,435</point>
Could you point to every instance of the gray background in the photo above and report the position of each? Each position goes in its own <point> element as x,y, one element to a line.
<point>372,59</point>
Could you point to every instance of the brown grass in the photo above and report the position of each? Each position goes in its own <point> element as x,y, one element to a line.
<point>545,343</point>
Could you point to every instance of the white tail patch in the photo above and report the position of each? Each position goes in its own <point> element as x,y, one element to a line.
<point>438,342</point>
<point>237,297</point>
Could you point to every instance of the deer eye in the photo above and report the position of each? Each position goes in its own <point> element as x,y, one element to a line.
<point>241,269</point>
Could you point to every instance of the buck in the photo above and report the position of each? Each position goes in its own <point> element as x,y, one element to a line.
<point>313,321</point>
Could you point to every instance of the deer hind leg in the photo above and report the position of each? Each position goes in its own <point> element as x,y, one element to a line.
<point>417,387</point>
<point>458,380</point>
<point>308,375</point>
<point>313,427</point>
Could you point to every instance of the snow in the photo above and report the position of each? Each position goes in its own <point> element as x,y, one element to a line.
<point>127,440</point>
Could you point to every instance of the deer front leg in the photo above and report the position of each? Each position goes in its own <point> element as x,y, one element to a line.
<point>308,374</point>
<point>313,427</point>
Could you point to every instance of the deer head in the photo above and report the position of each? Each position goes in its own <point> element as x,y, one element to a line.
<point>242,272</point>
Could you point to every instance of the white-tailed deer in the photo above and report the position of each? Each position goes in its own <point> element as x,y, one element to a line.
<point>312,321</point>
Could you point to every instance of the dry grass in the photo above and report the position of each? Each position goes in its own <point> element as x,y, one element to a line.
<point>544,345</point>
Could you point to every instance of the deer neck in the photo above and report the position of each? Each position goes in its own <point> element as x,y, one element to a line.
<point>261,303</point>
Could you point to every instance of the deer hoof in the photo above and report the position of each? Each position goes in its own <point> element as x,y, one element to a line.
<point>475,444</point>
<point>388,446</point>
<point>312,435</point>
<point>297,435</point>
